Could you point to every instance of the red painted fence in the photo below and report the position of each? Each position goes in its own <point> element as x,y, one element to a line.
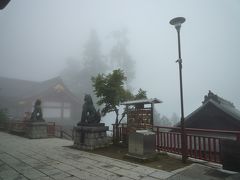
<point>19,127</point>
<point>201,143</point>
<point>51,129</point>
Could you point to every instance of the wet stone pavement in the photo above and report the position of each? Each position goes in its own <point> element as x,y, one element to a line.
<point>22,158</point>
<point>40,159</point>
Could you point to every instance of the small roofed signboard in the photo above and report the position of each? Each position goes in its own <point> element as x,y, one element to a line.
<point>140,113</point>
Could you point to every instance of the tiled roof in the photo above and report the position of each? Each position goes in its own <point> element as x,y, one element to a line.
<point>142,101</point>
<point>223,104</point>
<point>41,87</point>
<point>15,89</point>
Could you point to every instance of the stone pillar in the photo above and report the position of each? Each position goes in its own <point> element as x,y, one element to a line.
<point>90,136</point>
<point>36,130</point>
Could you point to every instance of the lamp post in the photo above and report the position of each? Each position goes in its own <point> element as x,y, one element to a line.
<point>177,23</point>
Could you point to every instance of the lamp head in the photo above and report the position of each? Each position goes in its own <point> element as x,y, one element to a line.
<point>177,22</point>
<point>3,4</point>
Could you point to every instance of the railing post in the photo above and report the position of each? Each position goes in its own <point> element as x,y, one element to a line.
<point>238,136</point>
<point>157,143</point>
<point>204,148</point>
<point>209,150</point>
<point>195,146</point>
<point>54,129</point>
<point>73,135</point>
<point>200,147</point>
<point>61,132</point>
<point>190,144</point>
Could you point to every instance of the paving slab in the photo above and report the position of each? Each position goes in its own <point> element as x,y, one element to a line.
<point>203,172</point>
<point>160,174</point>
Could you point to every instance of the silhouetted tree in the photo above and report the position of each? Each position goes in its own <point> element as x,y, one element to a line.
<point>141,94</point>
<point>164,121</point>
<point>77,74</point>
<point>175,119</point>
<point>120,56</point>
<point>161,120</point>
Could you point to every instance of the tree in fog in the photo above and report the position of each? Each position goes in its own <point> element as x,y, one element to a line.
<point>70,75</point>
<point>111,92</point>
<point>120,56</point>
<point>93,59</point>
<point>78,74</point>
<point>161,120</point>
<point>164,121</point>
<point>175,119</point>
<point>140,95</point>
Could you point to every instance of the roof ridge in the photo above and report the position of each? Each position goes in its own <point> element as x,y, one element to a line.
<point>217,99</point>
<point>17,79</point>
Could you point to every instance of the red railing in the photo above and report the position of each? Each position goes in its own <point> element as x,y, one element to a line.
<point>120,132</point>
<point>51,129</point>
<point>20,126</point>
<point>17,126</point>
<point>202,144</point>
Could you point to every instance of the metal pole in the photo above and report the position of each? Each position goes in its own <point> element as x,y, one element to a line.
<point>183,132</point>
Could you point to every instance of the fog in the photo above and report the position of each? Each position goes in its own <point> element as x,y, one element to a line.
<point>37,39</point>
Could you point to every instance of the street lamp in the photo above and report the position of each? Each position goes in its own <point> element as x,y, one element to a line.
<point>177,22</point>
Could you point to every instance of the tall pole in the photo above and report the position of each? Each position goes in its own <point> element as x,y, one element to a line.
<point>177,23</point>
<point>183,132</point>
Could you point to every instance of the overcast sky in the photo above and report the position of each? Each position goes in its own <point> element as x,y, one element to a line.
<point>36,38</point>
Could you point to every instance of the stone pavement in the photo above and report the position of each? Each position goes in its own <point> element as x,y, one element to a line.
<point>40,159</point>
<point>199,172</point>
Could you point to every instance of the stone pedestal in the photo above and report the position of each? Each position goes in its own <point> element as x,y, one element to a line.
<point>230,154</point>
<point>90,136</point>
<point>141,145</point>
<point>36,130</point>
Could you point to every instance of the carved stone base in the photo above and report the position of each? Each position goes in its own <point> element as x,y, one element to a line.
<point>90,137</point>
<point>36,130</point>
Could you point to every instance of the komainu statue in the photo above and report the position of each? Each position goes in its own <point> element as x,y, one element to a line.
<point>37,111</point>
<point>89,113</point>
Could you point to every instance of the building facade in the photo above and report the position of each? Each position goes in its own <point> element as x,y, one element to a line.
<point>58,102</point>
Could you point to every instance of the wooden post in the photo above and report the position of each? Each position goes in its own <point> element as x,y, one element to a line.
<point>152,108</point>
